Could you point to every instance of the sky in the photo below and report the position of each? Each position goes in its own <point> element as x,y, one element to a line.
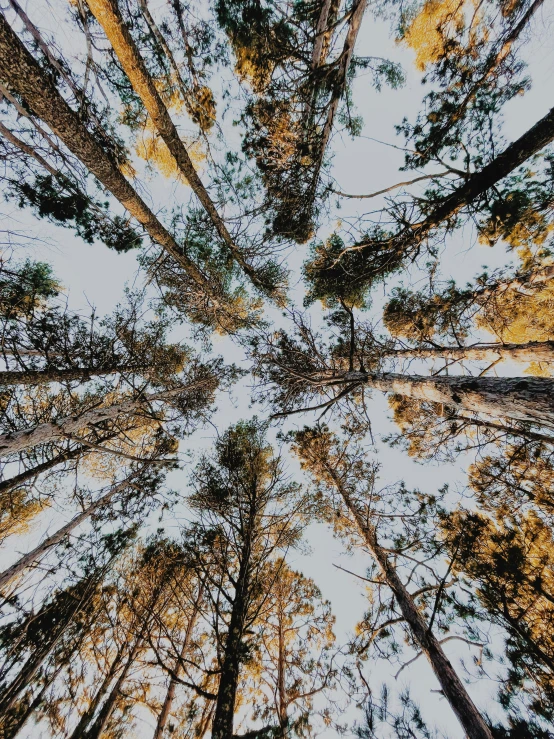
<point>95,276</point>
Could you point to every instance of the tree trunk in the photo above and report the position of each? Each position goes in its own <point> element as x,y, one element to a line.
<point>17,441</point>
<point>170,695</point>
<point>451,685</point>
<point>80,730</point>
<point>339,85</point>
<point>529,399</point>
<point>107,14</point>
<point>38,377</point>
<point>23,76</point>
<point>222,727</point>
<point>95,731</point>
<point>17,480</point>
<point>31,557</point>
<point>533,141</point>
<point>534,351</point>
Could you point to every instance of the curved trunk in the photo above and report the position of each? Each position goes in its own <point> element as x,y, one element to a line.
<point>21,74</point>
<point>38,377</point>
<point>107,14</point>
<point>452,687</point>
<point>32,472</point>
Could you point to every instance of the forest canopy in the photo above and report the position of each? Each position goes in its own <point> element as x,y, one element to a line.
<point>277,369</point>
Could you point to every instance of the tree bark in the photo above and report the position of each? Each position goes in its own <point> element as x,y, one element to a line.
<point>38,377</point>
<point>170,695</point>
<point>17,441</point>
<point>31,557</point>
<point>534,351</point>
<point>530,143</point>
<point>21,74</point>
<point>80,730</point>
<point>29,474</point>
<point>451,685</point>
<point>222,727</point>
<point>107,14</point>
<point>338,88</point>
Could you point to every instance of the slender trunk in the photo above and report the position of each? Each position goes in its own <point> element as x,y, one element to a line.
<point>80,729</point>
<point>534,351</point>
<point>33,556</point>
<point>451,685</point>
<point>222,727</point>
<point>17,441</point>
<point>26,149</point>
<point>170,695</point>
<point>533,141</point>
<point>34,663</point>
<point>23,76</point>
<point>281,674</point>
<point>95,731</point>
<point>524,433</point>
<point>38,377</point>
<point>339,85</point>
<point>32,472</point>
<point>22,719</point>
<point>107,14</point>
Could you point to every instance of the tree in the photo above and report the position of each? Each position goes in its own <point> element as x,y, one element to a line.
<point>341,471</point>
<point>247,511</point>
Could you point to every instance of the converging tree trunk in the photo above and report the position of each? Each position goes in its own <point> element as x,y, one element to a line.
<point>38,552</point>
<point>451,685</point>
<point>17,441</point>
<point>222,727</point>
<point>39,377</point>
<point>534,351</point>
<point>23,76</point>
<point>170,695</point>
<point>107,14</point>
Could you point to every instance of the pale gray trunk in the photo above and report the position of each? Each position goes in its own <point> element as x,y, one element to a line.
<point>321,35</point>
<point>32,557</point>
<point>534,351</point>
<point>451,685</point>
<point>528,399</point>
<point>70,426</point>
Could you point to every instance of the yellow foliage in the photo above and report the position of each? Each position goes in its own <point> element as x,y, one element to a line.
<point>151,147</point>
<point>17,513</point>
<point>519,318</point>
<point>435,23</point>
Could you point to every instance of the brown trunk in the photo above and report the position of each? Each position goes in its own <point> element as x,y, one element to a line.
<point>32,472</point>
<point>32,557</point>
<point>281,674</point>
<point>321,35</point>
<point>44,433</point>
<point>26,149</point>
<point>23,76</point>
<point>170,695</point>
<point>533,141</point>
<point>451,685</point>
<point>107,14</point>
<point>38,377</point>
<point>534,351</point>
<point>338,89</point>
